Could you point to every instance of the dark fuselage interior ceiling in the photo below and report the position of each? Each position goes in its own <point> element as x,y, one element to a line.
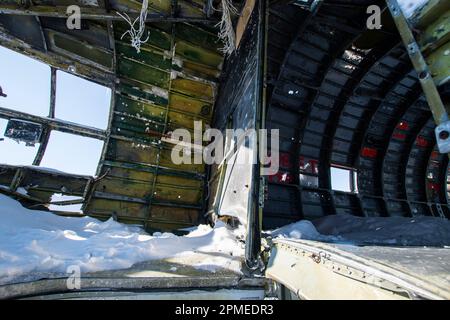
<point>346,97</point>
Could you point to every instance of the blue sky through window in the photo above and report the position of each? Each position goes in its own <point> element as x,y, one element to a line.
<point>27,83</point>
<point>72,153</point>
<point>82,101</point>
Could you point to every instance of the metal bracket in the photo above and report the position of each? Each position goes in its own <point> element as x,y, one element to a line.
<point>440,211</point>
<point>426,80</point>
<point>442,133</point>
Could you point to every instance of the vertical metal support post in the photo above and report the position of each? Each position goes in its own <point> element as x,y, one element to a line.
<point>426,80</point>
<point>51,114</point>
<point>253,241</point>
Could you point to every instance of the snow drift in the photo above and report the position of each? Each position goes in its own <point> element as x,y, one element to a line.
<point>33,242</point>
<point>396,231</point>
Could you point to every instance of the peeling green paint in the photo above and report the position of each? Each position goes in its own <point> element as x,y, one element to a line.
<point>143,73</point>
<point>82,50</point>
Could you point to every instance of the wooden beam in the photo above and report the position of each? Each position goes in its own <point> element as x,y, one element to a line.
<point>243,20</point>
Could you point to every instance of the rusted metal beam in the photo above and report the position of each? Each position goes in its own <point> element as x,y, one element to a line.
<point>110,29</point>
<point>42,146</point>
<point>67,202</point>
<point>44,41</point>
<point>9,192</point>
<point>55,124</point>
<point>18,178</point>
<point>91,13</point>
<point>51,114</point>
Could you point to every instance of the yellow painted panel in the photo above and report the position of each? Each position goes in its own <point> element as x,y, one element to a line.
<point>182,120</point>
<point>135,152</point>
<point>186,9</point>
<point>199,55</point>
<point>166,161</point>
<point>201,70</point>
<point>154,6</point>
<point>187,104</point>
<point>180,181</point>
<point>125,187</point>
<point>130,174</point>
<point>193,88</point>
<point>122,208</point>
<point>176,214</point>
<point>174,194</point>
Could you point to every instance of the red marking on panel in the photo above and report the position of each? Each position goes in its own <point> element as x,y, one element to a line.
<point>285,160</point>
<point>281,177</point>
<point>273,178</point>
<point>433,186</point>
<point>308,165</point>
<point>313,164</point>
<point>421,141</point>
<point>369,152</point>
<point>400,136</point>
<point>403,125</point>
<point>434,155</point>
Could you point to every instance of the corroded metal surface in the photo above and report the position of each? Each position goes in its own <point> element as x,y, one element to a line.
<point>171,83</point>
<point>40,184</point>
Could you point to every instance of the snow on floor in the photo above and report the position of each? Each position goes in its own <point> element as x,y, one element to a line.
<point>303,229</point>
<point>396,231</point>
<point>38,241</point>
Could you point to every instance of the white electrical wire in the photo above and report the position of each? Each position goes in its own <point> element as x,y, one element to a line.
<point>226,33</point>
<point>136,34</point>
